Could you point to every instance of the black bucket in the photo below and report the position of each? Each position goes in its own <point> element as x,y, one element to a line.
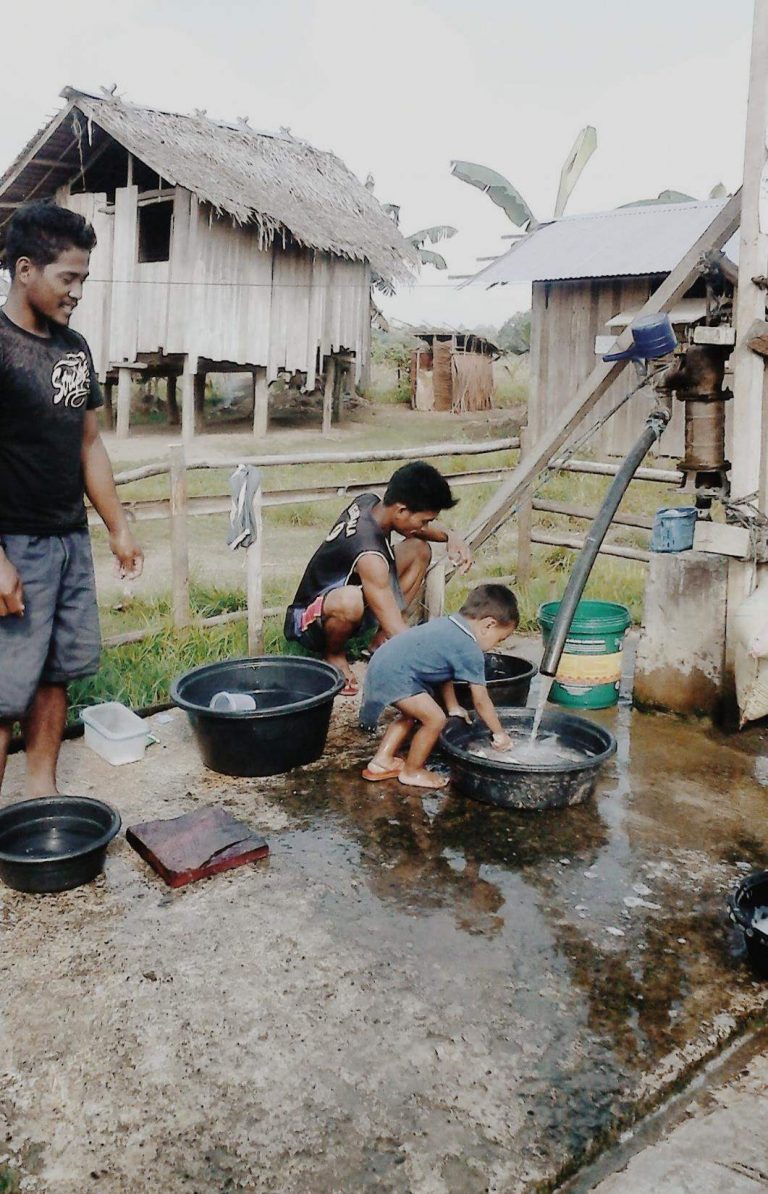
<point>743,905</point>
<point>529,785</point>
<point>508,679</point>
<point>54,843</point>
<point>289,726</point>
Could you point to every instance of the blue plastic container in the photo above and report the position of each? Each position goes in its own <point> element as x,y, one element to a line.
<point>673,528</point>
<point>652,337</point>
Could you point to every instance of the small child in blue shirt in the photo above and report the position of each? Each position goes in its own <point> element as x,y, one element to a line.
<point>409,668</point>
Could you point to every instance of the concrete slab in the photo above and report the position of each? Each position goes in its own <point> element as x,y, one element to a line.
<point>681,654</point>
<point>720,1144</point>
<point>413,994</point>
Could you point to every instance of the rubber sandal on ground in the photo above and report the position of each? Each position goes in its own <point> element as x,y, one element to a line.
<point>373,776</point>
<point>350,689</point>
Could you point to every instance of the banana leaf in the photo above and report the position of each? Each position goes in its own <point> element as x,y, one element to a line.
<point>581,151</point>
<point>498,189</point>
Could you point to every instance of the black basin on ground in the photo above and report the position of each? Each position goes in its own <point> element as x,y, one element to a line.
<point>508,679</point>
<point>288,728</point>
<point>745,905</point>
<point>529,786</point>
<point>54,843</point>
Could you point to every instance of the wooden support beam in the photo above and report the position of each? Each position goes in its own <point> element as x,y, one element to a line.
<point>174,418</point>
<point>750,407</point>
<point>338,389</point>
<point>593,387</point>
<point>260,403</point>
<point>330,382</point>
<point>124,389</point>
<point>199,390</point>
<point>109,412</point>
<point>188,398</point>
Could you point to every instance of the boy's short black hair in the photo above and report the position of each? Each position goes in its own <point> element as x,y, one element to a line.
<point>419,487</point>
<point>41,230</point>
<point>492,601</point>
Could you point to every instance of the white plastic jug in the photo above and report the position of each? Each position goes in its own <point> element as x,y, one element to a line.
<point>750,623</point>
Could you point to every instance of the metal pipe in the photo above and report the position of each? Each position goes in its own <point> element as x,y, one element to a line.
<point>655,424</point>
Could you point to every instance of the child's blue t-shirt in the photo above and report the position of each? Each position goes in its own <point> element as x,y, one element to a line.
<point>419,660</point>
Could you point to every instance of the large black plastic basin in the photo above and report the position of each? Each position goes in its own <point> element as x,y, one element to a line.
<point>508,680</point>
<point>529,786</point>
<point>294,698</point>
<point>54,843</point>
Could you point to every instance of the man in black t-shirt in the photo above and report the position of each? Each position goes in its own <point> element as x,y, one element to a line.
<point>357,579</point>
<point>51,454</point>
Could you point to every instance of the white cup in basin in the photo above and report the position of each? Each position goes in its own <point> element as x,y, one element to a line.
<point>232,702</point>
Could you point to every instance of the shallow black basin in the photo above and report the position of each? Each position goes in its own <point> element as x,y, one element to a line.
<point>54,843</point>
<point>508,679</point>
<point>527,786</point>
<point>288,728</point>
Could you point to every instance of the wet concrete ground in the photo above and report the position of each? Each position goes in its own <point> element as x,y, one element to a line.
<point>414,993</point>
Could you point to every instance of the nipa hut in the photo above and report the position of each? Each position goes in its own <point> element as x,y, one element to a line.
<point>220,249</point>
<point>453,372</point>
<point>591,274</point>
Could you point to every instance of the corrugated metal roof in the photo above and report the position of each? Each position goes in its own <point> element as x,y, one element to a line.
<point>606,244</point>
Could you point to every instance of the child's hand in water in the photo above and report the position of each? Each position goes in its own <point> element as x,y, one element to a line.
<point>464,714</point>
<point>501,741</point>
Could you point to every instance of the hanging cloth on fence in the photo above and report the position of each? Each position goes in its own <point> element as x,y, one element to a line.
<point>244,484</point>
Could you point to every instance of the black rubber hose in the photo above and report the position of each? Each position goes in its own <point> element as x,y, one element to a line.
<point>597,532</point>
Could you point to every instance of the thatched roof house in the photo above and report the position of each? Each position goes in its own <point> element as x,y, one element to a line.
<point>220,247</point>
<point>591,274</point>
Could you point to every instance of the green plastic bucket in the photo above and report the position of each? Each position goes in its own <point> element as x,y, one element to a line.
<point>589,674</point>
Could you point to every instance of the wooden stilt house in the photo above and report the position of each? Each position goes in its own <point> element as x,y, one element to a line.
<point>220,249</point>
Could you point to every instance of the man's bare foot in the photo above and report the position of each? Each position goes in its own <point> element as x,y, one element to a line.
<point>422,778</point>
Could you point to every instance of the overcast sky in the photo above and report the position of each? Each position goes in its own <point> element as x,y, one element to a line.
<point>399,88</point>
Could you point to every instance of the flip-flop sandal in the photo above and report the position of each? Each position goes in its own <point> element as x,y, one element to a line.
<point>374,776</point>
<point>350,689</point>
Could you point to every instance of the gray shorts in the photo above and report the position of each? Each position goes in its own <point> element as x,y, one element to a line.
<point>57,638</point>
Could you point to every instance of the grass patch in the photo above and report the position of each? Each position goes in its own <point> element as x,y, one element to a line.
<point>10,1180</point>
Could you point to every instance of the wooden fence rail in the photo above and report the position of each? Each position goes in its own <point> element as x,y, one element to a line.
<point>179,507</point>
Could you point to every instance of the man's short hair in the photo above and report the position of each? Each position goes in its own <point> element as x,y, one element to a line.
<point>492,601</point>
<point>41,230</point>
<point>419,487</point>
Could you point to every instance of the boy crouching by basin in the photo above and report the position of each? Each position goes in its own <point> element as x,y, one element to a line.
<point>409,669</point>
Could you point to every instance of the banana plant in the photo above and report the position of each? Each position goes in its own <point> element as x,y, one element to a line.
<point>418,240</point>
<point>501,191</point>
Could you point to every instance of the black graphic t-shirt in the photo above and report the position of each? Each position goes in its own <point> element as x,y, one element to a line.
<point>354,534</point>
<point>46,386</point>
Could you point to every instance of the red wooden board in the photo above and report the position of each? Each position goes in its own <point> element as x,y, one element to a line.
<point>195,845</point>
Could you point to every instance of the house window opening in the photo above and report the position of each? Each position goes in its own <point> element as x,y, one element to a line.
<point>155,223</point>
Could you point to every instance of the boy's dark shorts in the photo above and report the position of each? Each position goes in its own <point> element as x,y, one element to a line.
<point>57,639</point>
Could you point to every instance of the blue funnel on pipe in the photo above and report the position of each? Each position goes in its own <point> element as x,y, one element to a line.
<point>652,337</point>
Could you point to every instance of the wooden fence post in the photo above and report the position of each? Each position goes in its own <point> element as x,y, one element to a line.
<point>434,590</point>
<point>260,402</point>
<point>179,538</point>
<point>524,522</point>
<point>254,579</point>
